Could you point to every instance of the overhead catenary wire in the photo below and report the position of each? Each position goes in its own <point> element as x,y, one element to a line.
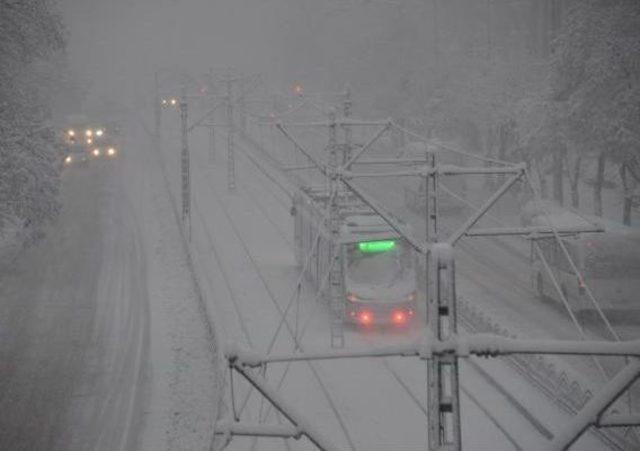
<point>320,289</point>
<point>283,316</point>
<point>449,148</point>
<point>398,379</point>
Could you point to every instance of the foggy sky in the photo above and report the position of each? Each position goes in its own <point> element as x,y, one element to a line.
<point>115,45</point>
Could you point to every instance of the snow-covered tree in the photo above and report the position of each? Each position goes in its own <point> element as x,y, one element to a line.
<point>596,74</point>
<point>31,40</point>
<point>554,82</point>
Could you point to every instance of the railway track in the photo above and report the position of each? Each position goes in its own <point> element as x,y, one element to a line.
<point>609,437</point>
<point>249,191</point>
<point>386,364</point>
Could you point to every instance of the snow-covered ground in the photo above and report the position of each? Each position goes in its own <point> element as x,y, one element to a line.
<point>181,390</point>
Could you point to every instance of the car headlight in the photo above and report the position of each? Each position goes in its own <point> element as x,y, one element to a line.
<point>88,133</point>
<point>68,160</point>
<point>99,132</point>
<point>96,152</point>
<point>111,151</point>
<point>71,132</point>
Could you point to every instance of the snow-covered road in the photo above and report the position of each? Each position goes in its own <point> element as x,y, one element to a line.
<point>104,343</point>
<point>74,324</point>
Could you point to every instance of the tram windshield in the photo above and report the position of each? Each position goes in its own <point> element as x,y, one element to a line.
<point>379,262</point>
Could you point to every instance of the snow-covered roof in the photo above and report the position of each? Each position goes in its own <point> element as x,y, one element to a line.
<point>360,227</point>
<point>549,213</point>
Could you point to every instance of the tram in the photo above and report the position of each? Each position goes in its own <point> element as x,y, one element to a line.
<point>378,266</point>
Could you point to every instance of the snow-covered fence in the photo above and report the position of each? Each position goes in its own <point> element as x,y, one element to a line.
<point>557,384</point>
<point>539,370</point>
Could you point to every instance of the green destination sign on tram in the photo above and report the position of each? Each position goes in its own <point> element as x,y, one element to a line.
<point>376,246</point>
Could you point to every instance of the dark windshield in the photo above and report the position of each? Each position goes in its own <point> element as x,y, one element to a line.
<point>378,263</point>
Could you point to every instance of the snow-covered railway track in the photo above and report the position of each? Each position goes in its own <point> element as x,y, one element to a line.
<point>386,366</point>
<point>246,229</point>
<point>518,254</point>
<point>279,310</point>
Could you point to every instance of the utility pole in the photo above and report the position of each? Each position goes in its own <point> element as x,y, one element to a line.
<point>348,133</point>
<point>184,159</point>
<point>212,101</point>
<point>242,107</point>
<point>231,164</point>
<point>434,25</point>
<point>336,291</point>
<point>443,408</point>
<point>157,108</point>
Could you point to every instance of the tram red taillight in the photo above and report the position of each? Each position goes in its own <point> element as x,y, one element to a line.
<point>399,317</point>
<point>365,317</point>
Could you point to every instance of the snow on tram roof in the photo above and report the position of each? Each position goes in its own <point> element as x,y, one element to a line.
<point>366,226</point>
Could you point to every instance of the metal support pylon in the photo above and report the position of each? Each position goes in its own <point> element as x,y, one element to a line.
<point>184,166</point>
<point>443,408</point>
<point>348,133</point>
<point>212,132</point>
<point>444,403</point>
<point>157,108</point>
<point>336,290</point>
<point>231,163</point>
<point>212,144</point>
<point>242,106</point>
